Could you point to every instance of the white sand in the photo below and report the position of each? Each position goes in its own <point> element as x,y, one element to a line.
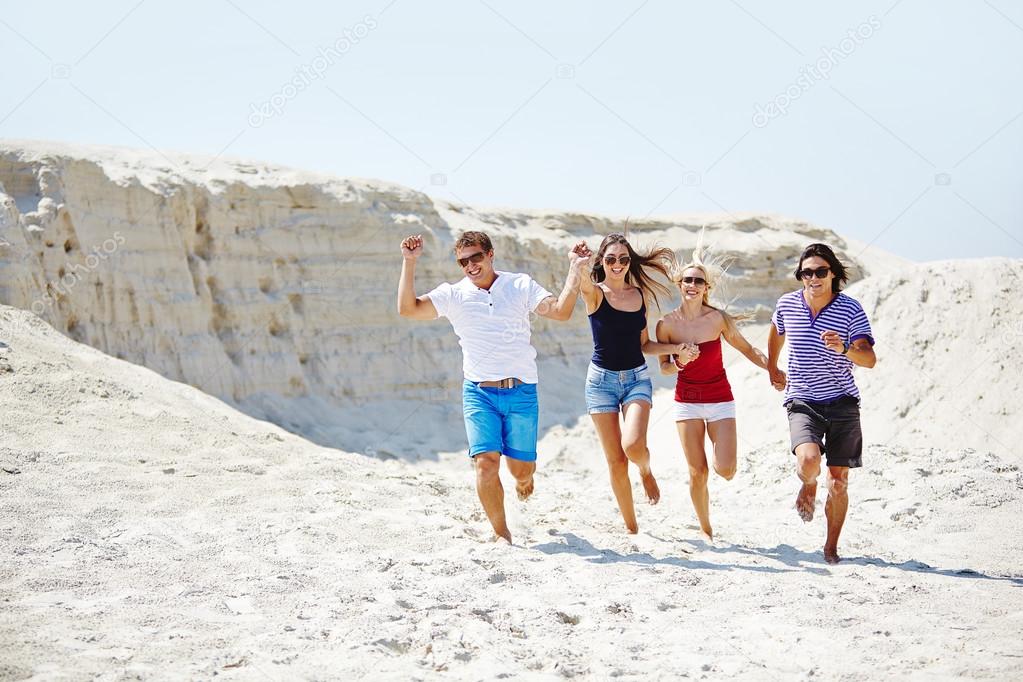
<point>154,532</point>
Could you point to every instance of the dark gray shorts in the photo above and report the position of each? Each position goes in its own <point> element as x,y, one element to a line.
<point>834,427</point>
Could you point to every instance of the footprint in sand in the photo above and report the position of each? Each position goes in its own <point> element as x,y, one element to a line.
<point>566,618</point>
<point>438,488</point>
<point>482,537</point>
<point>484,615</point>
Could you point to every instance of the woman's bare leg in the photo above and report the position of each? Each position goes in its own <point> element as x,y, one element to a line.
<point>691,432</point>
<point>637,418</point>
<point>610,434</point>
<point>722,435</point>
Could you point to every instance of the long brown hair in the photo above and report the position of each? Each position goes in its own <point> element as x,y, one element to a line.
<point>658,259</point>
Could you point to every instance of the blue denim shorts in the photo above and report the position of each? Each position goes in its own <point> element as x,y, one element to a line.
<point>608,390</point>
<point>501,420</point>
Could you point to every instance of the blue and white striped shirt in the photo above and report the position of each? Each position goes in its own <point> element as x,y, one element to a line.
<point>815,372</point>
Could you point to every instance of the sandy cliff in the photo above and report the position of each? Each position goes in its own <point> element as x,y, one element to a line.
<point>273,288</point>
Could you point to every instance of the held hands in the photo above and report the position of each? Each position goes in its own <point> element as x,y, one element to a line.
<point>833,341</point>
<point>579,257</point>
<point>687,352</point>
<point>412,247</point>
<point>778,378</point>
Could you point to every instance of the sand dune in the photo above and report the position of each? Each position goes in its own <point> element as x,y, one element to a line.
<point>150,530</point>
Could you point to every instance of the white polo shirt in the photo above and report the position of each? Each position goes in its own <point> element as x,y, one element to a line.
<point>493,326</point>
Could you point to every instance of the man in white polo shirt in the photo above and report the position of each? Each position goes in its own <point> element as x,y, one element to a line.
<point>489,310</point>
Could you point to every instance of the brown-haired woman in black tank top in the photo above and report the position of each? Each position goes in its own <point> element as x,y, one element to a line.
<point>618,381</point>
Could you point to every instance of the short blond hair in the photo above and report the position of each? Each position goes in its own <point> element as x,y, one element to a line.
<point>474,238</point>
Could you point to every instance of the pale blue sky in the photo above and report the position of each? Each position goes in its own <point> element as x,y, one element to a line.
<point>913,142</point>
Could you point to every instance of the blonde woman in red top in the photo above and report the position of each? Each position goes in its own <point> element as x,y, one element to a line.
<point>704,405</point>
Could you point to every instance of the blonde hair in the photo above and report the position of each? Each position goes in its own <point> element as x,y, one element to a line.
<point>713,268</point>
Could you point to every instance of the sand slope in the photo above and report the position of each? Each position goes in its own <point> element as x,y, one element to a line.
<point>152,531</point>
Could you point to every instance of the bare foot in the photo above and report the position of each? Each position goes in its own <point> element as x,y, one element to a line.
<point>524,489</point>
<point>708,533</point>
<point>831,555</point>
<point>653,493</point>
<point>503,538</point>
<point>806,501</point>
<point>632,528</point>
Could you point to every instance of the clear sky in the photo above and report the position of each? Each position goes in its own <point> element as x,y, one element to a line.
<point>897,122</point>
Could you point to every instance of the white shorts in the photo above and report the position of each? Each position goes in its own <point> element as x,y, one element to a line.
<point>710,412</point>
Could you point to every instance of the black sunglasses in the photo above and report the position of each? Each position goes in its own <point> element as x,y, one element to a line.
<point>611,260</point>
<point>694,280</point>
<point>474,258</point>
<point>819,273</point>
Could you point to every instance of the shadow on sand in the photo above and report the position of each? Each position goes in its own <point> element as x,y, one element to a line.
<point>583,548</point>
<point>794,559</point>
<point>790,556</point>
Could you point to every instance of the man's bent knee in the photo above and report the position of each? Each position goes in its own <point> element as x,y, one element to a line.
<point>521,471</point>
<point>808,457</point>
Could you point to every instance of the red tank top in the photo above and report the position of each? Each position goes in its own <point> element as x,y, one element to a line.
<point>703,380</point>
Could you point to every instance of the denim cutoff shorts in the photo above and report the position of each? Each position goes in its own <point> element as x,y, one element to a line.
<point>609,390</point>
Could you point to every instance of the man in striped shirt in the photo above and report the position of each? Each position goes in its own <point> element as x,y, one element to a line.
<point>828,333</point>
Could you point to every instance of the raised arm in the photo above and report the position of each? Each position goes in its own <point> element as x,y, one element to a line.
<point>409,305</point>
<point>775,342</point>
<point>560,308</point>
<point>589,290</point>
<point>735,338</point>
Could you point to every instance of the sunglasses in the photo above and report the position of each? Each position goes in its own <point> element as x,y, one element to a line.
<point>611,260</point>
<point>819,273</point>
<point>694,280</point>
<point>474,258</point>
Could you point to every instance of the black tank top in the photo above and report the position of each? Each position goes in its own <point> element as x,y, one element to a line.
<point>616,333</point>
